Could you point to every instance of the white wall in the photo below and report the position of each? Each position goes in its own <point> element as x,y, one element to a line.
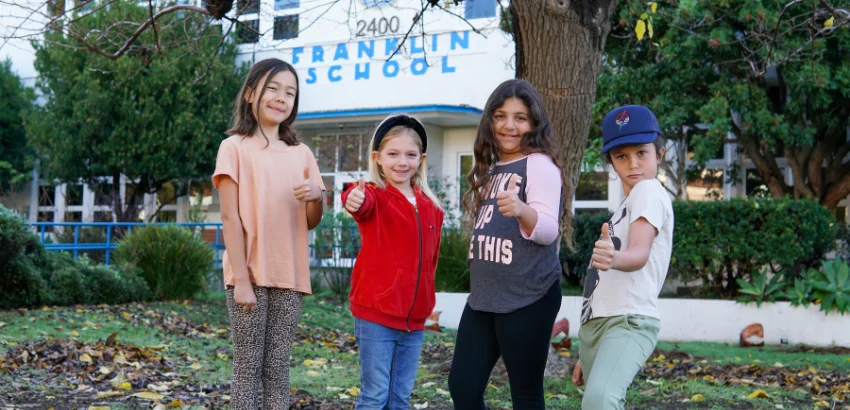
<point>706,320</point>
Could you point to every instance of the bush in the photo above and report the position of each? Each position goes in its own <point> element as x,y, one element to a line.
<point>587,228</point>
<point>21,260</point>
<point>171,260</point>
<point>716,243</point>
<point>452,273</point>
<point>32,276</point>
<point>87,234</point>
<point>335,246</point>
<point>831,286</point>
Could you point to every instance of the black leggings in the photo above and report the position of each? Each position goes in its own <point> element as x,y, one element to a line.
<point>520,337</point>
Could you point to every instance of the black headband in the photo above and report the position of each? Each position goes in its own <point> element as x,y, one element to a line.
<point>400,120</point>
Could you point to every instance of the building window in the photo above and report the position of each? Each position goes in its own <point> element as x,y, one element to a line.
<point>707,185</point>
<point>286,4</point>
<point>286,27</point>
<point>46,195</point>
<point>592,186</point>
<point>343,159</point>
<point>247,7</point>
<point>248,31</point>
<point>73,195</point>
<point>476,9</point>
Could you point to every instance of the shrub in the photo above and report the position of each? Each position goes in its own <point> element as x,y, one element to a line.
<point>21,259</point>
<point>171,260</point>
<point>587,228</point>
<point>87,234</point>
<point>114,285</point>
<point>719,242</point>
<point>335,246</point>
<point>831,285</point>
<point>452,273</point>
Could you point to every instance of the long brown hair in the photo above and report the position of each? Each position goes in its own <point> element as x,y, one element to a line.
<point>540,139</point>
<point>243,122</point>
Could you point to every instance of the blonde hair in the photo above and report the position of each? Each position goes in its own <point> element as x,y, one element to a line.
<point>419,179</point>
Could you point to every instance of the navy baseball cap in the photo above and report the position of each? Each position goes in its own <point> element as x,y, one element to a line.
<point>627,125</point>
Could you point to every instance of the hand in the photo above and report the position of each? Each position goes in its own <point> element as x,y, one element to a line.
<point>243,296</point>
<point>356,197</point>
<point>603,251</point>
<point>508,200</point>
<point>578,376</point>
<point>307,192</point>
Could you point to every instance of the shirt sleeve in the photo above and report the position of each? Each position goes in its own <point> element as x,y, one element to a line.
<point>315,174</point>
<point>543,194</point>
<point>647,201</point>
<point>226,163</point>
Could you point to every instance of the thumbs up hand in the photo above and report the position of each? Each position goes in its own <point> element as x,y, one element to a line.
<point>603,251</point>
<point>307,191</point>
<point>508,200</point>
<point>356,197</point>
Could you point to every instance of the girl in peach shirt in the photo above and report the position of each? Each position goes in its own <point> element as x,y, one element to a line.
<point>269,201</point>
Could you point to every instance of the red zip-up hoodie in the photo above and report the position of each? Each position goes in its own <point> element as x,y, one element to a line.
<point>393,279</point>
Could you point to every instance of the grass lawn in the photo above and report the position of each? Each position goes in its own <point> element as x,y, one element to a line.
<point>178,354</point>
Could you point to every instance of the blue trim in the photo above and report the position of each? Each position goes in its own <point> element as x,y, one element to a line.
<point>389,110</point>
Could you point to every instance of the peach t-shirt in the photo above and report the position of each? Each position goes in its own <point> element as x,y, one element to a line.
<point>274,222</point>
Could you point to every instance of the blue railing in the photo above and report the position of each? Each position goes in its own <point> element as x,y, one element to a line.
<point>110,229</point>
<point>329,252</point>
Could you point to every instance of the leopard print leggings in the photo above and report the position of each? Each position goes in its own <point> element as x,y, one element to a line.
<point>262,342</point>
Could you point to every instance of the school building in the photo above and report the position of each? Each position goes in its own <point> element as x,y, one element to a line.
<point>358,62</point>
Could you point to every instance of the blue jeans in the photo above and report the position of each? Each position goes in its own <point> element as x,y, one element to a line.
<point>389,359</point>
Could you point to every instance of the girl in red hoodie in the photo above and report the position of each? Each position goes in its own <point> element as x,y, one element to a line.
<point>392,285</point>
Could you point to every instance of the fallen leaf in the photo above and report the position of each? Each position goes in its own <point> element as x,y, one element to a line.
<point>821,404</point>
<point>104,370</point>
<point>176,403</point>
<point>148,395</point>
<point>75,333</point>
<point>697,398</point>
<point>158,387</point>
<point>108,394</point>
<point>196,366</point>
<point>98,408</point>
<point>110,341</point>
<point>354,391</point>
<point>125,386</point>
<point>758,394</point>
<point>86,358</point>
<point>829,22</point>
<point>117,380</point>
<point>312,373</point>
<point>443,392</point>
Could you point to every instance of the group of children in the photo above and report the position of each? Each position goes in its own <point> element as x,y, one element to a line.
<point>271,195</point>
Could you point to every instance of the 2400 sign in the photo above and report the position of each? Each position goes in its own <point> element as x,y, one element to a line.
<point>378,27</point>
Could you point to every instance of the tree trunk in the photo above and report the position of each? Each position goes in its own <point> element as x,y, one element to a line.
<point>559,46</point>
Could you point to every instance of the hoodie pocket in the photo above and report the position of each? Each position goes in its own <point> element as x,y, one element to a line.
<point>396,300</point>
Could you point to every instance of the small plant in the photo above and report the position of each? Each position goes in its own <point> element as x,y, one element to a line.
<point>452,273</point>
<point>831,285</point>
<point>800,294</point>
<point>172,261</point>
<point>760,289</point>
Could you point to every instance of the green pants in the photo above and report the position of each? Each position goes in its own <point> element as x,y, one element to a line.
<point>612,351</point>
